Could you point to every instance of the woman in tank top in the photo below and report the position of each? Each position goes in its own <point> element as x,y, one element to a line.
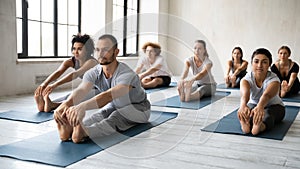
<point>202,82</point>
<point>82,60</point>
<point>287,71</point>
<point>236,68</point>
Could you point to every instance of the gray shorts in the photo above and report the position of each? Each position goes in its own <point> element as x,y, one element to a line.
<point>110,119</point>
<point>205,89</point>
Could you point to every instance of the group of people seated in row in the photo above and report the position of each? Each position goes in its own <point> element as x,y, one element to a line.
<point>118,91</point>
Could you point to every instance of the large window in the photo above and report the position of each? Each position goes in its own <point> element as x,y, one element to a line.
<point>125,25</point>
<point>45,27</point>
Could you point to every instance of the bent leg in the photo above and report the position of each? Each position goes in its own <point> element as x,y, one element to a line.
<point>203,90</point>
<point>153,83</point>
<point>120,119</point>
<point>49,105</point>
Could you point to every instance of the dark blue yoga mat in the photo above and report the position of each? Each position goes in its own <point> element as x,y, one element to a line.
<point>294,98</point>
<point>230,125</point>
<point>27,116</point>
<point>223,86</point>
<point>172,84</point>
<point>196,104</point>
<point>48,149</point>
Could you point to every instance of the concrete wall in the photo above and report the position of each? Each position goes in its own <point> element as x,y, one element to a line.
<point>228,23</point>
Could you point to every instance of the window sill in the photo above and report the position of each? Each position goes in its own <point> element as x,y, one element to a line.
<point>41,60</point>
<point>59,60</point>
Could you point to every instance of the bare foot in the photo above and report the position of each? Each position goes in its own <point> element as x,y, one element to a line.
<point>65,132</point>
<point>49,105</point>
<point>284,88</point>
<point>245,127</point>
<point>181,91</point>
<point>188,92</point>
<point>256,129</point>
<point>39,102</point>
<point>79,134</point>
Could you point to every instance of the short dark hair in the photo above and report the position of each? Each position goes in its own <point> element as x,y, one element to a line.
<point>86,40</point>
<point>111,37</point>
<point>241,51</point>
<point>262,51</point>
<point>286,48</point>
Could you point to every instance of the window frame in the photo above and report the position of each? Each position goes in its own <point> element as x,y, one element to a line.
<point>124,51</point>
<point>25,42</point>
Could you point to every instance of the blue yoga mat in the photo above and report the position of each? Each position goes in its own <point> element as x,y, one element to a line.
<point>48,149</point>
<point>230,125</point>
<point>223,86</point>
<point>172,84</point>
<point>27,116</point>
<point>295,98</point>
<point>196,104</point>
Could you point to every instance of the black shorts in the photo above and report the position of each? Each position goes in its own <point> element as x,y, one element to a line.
<point>166,80</point>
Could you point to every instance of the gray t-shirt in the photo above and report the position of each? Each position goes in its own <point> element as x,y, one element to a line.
<point>256,92</point>
<point>122,75</point>
<point>208,78</point>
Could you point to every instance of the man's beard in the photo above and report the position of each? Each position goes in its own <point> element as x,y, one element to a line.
<point>109,61</point>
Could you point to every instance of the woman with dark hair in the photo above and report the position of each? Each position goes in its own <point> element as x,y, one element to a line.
<point>82,60</point>
<point>287,71</point>
<point>152,67</point>
<point>261,107</point>
<point>202,83</point>
<point>236,68</point>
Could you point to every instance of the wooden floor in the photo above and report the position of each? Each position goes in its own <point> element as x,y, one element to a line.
<point>178,143</point>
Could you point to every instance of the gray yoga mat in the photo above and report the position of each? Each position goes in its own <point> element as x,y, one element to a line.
<point>48,149</point>
<point>230,125</point>
<point>196,104</point>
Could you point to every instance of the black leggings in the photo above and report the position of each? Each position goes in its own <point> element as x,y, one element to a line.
<point>273,114</point>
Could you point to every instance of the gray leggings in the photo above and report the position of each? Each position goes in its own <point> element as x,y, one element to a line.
<point>110,119</point>
<point>273,114</point>
<point>204,89</point>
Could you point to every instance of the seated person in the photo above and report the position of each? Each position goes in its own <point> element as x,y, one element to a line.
<point>122,99</point>
<point>156,72</point>
<point>83,60</point>
<point>238,68</point>
<point>200,65</point>
<point>287,71</point>
<point>261,107</point>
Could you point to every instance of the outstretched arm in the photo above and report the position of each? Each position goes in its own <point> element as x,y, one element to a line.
<point>241,68</point>
<point>55,75</point>
<point>73,75</point>
<point>244,111</point>
<point>76,113</point>
<point>76,97</point>
<point>269,93</point>
<point>185,70</point>
<point>292,80</point>
<point>150,71</point>
<point>201,74</point>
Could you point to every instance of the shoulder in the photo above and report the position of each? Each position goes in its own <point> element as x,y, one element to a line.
<point>229,63</point>
<point>69,62</point>
<point>272,76</point>
<point>207,61</point>
<point>245,62</point>
<point>189,60</point>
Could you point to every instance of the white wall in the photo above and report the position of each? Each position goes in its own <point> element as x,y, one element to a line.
<point>228,23</point>
<point>222,23</point>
